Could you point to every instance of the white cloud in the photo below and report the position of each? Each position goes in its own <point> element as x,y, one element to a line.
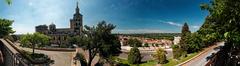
<point>174,24</point>
<point>30,13</point>
<point>179,25</point>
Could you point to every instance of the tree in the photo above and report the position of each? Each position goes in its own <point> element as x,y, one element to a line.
<point>100,40</point>
<point>75,40</point>
<point>194,43</point>
<point>31,40</point>
<point>184,34</point>
<point>146,45</point>
<point>81,58</point>
<point>177,52</point>
<point>9,2</point>
<point>134,42</point>
<point>160,56</point>
<point>156,45</point>
<point>181,50</point>
<point>225,15</point>
<point>134,56</point>
<point>209,32</point>
<point>5,27</point>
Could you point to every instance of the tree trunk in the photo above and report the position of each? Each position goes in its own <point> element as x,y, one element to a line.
<point>89,62</point>
<point>33,48</point>
<point>89,58</point>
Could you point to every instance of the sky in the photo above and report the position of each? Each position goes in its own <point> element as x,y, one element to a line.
<point>129,16</point>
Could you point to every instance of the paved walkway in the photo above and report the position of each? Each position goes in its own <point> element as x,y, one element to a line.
<point>60,58</point>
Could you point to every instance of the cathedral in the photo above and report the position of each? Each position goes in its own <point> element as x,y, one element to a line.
<point>59,35</point>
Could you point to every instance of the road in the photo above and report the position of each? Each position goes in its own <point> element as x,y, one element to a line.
<point>201,60</point>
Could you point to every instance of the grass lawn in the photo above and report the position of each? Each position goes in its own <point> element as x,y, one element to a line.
<point>173,62</point>
<point>147,63</point>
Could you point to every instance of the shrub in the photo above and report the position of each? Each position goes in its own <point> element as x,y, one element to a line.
<point>146,45</point>
<point>81,58</point>
<point>177,52</point>
<point>36,58</point>
<point>157,45</point>
<point>134,57</point>
<point>63,46</point>
<point>122,64</point>
<point>160,56</point>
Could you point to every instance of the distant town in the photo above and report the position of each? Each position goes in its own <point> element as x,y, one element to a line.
<point>215,42</point>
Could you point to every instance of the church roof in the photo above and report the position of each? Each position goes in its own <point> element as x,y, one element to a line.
<point>77,11</point>
<point>63,30</point>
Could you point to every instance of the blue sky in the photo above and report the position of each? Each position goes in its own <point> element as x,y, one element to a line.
<point>130,16</point>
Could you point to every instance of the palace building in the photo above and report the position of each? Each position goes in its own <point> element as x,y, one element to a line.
<point>59,35</point>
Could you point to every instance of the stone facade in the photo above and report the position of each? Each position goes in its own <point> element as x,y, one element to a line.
<point>59,35</point>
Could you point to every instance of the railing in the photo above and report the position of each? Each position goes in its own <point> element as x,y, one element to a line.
<point>12,55</point>
<point>16,55</point>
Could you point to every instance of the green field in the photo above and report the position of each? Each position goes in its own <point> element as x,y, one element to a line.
<point>173,62</point>
<point>147,63</point>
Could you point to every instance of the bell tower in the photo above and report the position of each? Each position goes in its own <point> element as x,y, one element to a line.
<point>76,22</point>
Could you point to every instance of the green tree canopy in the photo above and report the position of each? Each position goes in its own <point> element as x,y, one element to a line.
<point>30,40</point>
<point>5,27</point>
<point>100,40</point>
<point>9,2</point>
<point>134,56</point>
<point>178,52</point>
<point>160,56</point>
<point>184,35</point>
<point>146,45</point>
<point>133,42</point>
<point>223,20</point>
<point>194,43</point>
<point>224,14</point>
